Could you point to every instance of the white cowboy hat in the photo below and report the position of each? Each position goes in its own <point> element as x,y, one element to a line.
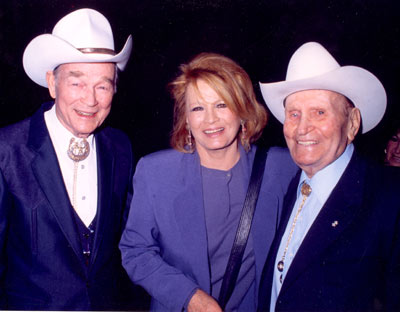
<point>312,67</point>
<point>83,36</point>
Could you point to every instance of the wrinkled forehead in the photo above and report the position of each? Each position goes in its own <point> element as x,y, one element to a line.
<point>88,71</point>
<point>318,96</point>
<point>87,68</point>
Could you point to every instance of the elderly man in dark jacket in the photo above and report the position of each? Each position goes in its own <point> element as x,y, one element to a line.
<point>337,247</point>
<point>64,180</point>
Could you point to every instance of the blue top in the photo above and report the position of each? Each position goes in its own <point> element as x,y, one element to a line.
<point>322,184</point>
<point>224,193</point>
<point>165,245</point>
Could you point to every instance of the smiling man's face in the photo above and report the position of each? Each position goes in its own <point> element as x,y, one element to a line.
<point>83,93</point>
<point>319,124</point>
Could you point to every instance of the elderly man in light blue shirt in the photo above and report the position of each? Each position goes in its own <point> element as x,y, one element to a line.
<point>321,188</point>
<point>338,243</point>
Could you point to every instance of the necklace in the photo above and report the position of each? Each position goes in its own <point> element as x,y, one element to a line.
<point>305,191</point>
<point>77,151</point>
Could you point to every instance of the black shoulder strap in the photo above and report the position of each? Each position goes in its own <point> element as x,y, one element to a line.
<point>243,230</point>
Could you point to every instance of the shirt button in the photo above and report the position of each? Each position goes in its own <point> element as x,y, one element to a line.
<point>82,166</point>
<point>83,197</point>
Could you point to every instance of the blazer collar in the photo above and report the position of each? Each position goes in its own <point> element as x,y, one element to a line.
<point>48,174</point>
<point>267,274</point>
<point>105,174</point>
<point>189,214</point>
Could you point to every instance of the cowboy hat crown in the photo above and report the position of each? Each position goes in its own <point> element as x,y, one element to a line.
<point>84,35</point>
<point>313,67</point>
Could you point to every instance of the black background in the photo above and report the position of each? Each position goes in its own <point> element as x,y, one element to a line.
<point>260,35</point>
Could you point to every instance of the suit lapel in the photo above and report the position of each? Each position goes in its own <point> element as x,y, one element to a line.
<point>189,214</point>
<point>335,216</point>
<point>48,174</point>
<point>105,173</point>
<point>288,204</point>
<point>267,274</point>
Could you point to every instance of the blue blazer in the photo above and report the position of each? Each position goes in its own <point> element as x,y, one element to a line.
<point>164,245</point>
<point>42,266</point>
<point>349,265</point>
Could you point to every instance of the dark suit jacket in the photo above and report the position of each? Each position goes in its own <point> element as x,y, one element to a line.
<point>354,266</point>
<point>164,245</point>
<point>42,265</point>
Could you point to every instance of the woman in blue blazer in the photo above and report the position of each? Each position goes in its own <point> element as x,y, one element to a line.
<point>187,201</point>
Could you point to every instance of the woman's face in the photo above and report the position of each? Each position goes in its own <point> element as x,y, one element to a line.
<point>393,150</point>
<point>213,125</point>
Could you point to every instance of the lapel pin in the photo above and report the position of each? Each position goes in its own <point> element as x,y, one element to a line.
<point>335,223</point>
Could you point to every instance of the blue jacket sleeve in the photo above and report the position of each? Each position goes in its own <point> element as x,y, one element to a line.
<point>4,204</point>
<point>142,251</point>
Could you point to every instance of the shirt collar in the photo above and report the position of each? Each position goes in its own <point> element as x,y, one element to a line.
<point>60,135</point>
<point>323,182</point>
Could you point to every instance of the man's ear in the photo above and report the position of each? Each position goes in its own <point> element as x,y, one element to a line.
<point>51,83</point>
<point>354,124</point>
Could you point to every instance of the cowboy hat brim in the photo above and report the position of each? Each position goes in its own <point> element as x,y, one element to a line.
<point>55,51</point>
<point>359,85</point>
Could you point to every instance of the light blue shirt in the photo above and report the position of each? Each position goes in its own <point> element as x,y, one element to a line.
<point>322,184</point>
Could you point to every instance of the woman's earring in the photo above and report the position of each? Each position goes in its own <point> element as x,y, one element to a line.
<point>244,139</point>
<point>243,125</point>
<point>189,142</point>
<point>189,138</point>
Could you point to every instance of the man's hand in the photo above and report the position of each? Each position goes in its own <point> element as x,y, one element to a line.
<point>201,302</point>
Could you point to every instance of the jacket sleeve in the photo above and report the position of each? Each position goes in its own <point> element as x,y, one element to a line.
<point>129,192</point>
<point>141,250</point>
<point>4,204</point>
<point>393,267</point>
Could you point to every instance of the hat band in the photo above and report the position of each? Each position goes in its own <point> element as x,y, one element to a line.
<point>97,51</point>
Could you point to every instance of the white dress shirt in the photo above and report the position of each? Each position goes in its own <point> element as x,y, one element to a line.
<point>86,188</point>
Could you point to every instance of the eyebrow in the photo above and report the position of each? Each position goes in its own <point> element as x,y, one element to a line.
<point>75,73</point>
<point>78,74</point>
